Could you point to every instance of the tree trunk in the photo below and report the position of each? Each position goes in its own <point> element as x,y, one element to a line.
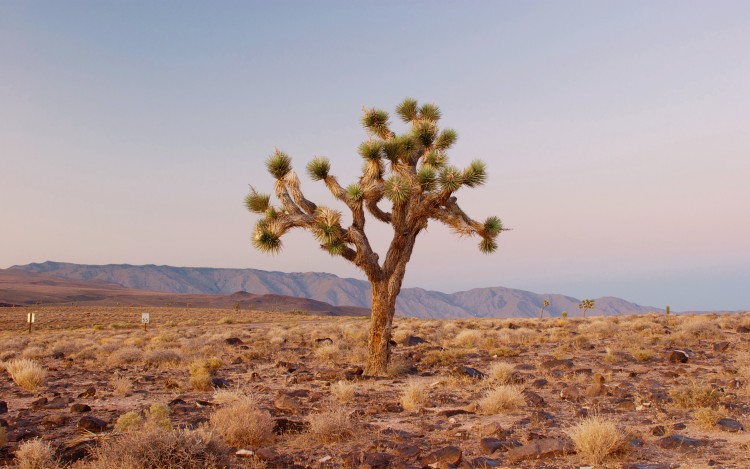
<point>383,309</point>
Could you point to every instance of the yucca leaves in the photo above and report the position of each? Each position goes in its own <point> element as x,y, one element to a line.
<point>397,189</point>
<point>434,158</point>
<point>429,112</point>
<point>354,192</point>
<point>450,178</point>
<point>376,121</point>
<point>371,149</point>
<point>279,164</point>
<point>334,248</point>
<point>266,237</point>
<point>425,132</point>
<point>407,110</point>
<point>488,245</point>
<point>446,139</point>
<point>493,226</point>
<point>426,177</point>
<point>318,168</point>
<point>475,174</point>
<point>327,224</point>
<point>257,203</point>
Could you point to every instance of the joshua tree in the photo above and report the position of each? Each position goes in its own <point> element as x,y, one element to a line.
<point>586,305</point>
<point>545,303</point>
<point>411,171</point>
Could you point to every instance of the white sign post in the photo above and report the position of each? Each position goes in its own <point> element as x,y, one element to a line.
<point>145,319</point>
<point>31,319</point>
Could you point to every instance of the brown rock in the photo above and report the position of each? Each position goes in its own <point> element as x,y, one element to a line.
<point>538,449</point>
<point>266,454</point>
<point>678,356</point>
<point>570,393</point>
<point>743,329</point>
<point>680,442</point>
<point>55,420</point>
<point>721,346</point>
<point>730,425</point>
<point>92,424</point>
<point>557,363</point>
<point>286,404</point>
<point>376,460</point>
<point>283,426</point>
<point>491,429</point>
<point>89,392</point>
<point>445,455</point>
<point>406,451</point>
<point>78,407</point>
<point>3,407</point>
<point>533,398</point>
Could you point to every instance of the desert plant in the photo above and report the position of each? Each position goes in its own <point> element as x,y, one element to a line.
<point>121,385</point>
<point>545,303</point>
<point>501,372</point>
<point>413,396</point>
<point>331,426</point>
<point>502,398</point>
<point>35,454</point>
<point>343,391</point>
<point>694,395</point>
<point>156,448</point>
<point>201,372</point>
<point>241,423</point>
<point>158,416</point>
<point>564,315</point>
<point>667,310</point>
<point>418,182</point>
<point>26,373</point>
<point>707,417</point>
<point>129,421</point>
<point>596,438</point>
<point>586,305</point>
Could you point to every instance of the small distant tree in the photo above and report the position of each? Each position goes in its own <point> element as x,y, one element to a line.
<point>545,303</point>
<point>411,172</point>
<point>586,305</point>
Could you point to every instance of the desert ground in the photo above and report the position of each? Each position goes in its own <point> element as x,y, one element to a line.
<point>90,388</point>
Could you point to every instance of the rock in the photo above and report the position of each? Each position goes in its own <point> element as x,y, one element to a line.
<point>324,341</point>
<point>76,450</point>
<point>490,445</point>
<point>491,429</point>
<point>533,398</point>
<point>647,466</point>
<point>77,407</point>
<point>413,340</point>
<point>289,367</point>
<point>3,407</point>
<point>58,355</point>
<point>678,356</point>
<point>679,426</point>
<point>468,371</point>
<point>539,383</point>
<point>597,388</point>
<point>484,463</point>
<point>54,420</point>
<point>452,412</point>
<point>42,401</point>
<point>286,404</point>
<point>743,329</point>
<point>266,454</point>
<point>57,403</point>
<point>583,371</point>
<point>570,393</point>
<point>91,424</point>
<point>233,341</point>
<point>244,453</point>
<point>406,451</point>
<point>89,392</point>
<point>540,416</point>
<point>680,442</point>
<point>659,430</point>
<point>283,426</point>
<point>721,347</point>
<point>538,449</point>
<point>220,383</point>
<point>376,460</point>
<point>730,425</point>
<point>445,455</point>
<point>176,401</point>
<point>557,363</point>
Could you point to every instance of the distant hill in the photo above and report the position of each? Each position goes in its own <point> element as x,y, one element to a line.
<point>328,288</point>
<point>19,288</point>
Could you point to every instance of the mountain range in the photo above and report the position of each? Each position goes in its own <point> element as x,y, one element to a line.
<point>327,288</point>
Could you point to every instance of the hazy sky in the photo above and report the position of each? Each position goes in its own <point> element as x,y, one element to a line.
<point>617,134</point>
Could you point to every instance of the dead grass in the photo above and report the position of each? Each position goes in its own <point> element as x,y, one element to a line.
<point>707,417</point>
<point>129,421</point>
<point>242,424</point>
<point>502,398</point>
<point>596,439</point>
<point>414,395</point>
<point>331,426</point>
<point>26,373</point>
<point>694,395</point>
<point>343,391</point>
<point>35,454</point>
<point>502,372</point>
<point>121,385</point>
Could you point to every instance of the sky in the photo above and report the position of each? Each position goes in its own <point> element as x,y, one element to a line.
<point>616,135</point>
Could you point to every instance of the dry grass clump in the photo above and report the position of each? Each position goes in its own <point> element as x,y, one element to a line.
<point>125,356</point>
<point>694,395</point>
<point>34,351</point>
<point>502,372</point>
<point>707,417</point>
<point>35,454</point>
<point>121,385</point>
<point>158,416</point>
<point>468,338</point>
<point>331,426</point>
<point>503,398</point>
<point>228,396</point>
<point>129,421</point>
<point>642,354</point>
<point>328,353</point>
<point>242,424</point>
<point>445,357</point>
<point>414,395</point>
<point>343,391</point>
<point>596,439</point>
<point>201,372</point>
<point>163,358</point>
<point>26,373</point>
<point>156,448</point>
<point>503,351</point>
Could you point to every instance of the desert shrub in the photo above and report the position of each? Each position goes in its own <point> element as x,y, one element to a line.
<point>201,372</point>
<point>328,353</point>
<point>331,426</point>
<point>468,338</point>
<point>707,417</point>
<point>503,351</point>
<point>34,351</point>
<point>125,356</point>
<point>242,424</point>
<point>162,358</point>
<point>503,398</point>
<point>158,416</point>
<point>703,327</point>
<point>596,438</point>
<point>26,373</point>
<point>155,448</point>
<point>502,372</point>
<point>599,328</point>
<point>128,421</point>
<point>445,357</point>
<point>642,354</point>
<point>694,395</point>
<point>35,454</point>
<point>343,391</point>
<point>228,396</point>
<point>121,385</point>
<point>397,367</point>
<point>413,395</point>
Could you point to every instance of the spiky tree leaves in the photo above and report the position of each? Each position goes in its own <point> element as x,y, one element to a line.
<point>411,171</point>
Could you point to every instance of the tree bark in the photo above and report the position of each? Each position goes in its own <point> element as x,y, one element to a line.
<point>383,309</point>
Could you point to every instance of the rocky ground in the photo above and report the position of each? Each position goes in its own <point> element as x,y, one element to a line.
<point>283,390</point>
